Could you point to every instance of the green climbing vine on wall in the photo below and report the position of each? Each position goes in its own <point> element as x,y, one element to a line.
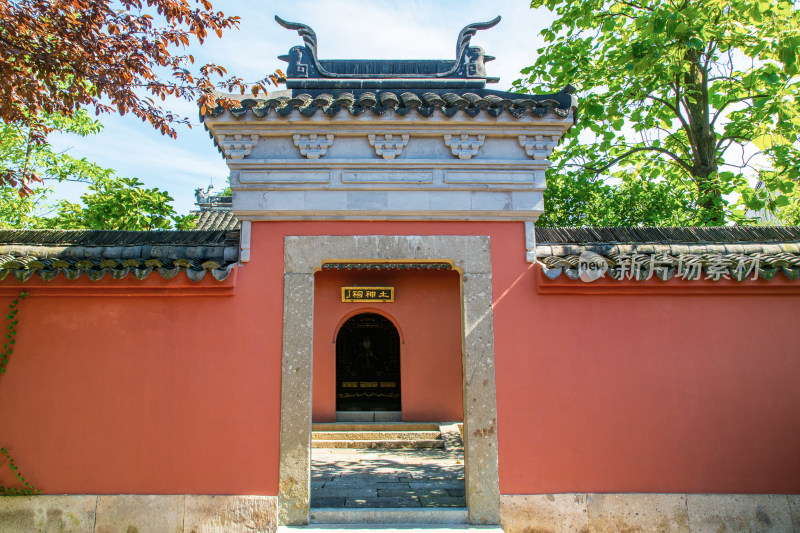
<point>5,355</point>
<point>11,331</point>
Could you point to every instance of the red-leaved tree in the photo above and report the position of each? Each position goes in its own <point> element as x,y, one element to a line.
<point>120,56</point>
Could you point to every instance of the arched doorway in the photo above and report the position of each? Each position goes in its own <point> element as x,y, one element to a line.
<point>368,364</point>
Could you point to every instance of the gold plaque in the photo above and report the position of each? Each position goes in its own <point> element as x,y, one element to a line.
<point>349,384</point>
<point>388,385</point>
<point>369,384</point>
<point>367,294</point>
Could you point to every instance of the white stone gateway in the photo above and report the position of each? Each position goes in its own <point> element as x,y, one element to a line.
<point>389,140</point>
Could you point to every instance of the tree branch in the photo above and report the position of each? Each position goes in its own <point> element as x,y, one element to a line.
<point>672,136</point>
<point>678,100</point>
<point>733,101</point>
<point>664,151</point>
<point>670,107</point>
<point>731,138</point>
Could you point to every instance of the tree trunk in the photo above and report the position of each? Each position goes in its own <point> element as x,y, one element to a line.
<point>703,142</point>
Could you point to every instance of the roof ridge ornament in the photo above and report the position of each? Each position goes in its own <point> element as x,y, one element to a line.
<point>466,33</point>
<point>304,62</point>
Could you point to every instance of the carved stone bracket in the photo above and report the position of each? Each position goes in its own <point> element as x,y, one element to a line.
<point>238,146</point>
<point>464,146</point>
<point>313,146</point>
<point>539,146</point>
<point>388,145</point>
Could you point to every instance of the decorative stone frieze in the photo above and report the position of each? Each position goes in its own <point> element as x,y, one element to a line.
<point>464,146</point>
<point>539,146</point>
<point>388,145</point>
<point>424,181</point>
<point>238,146</point>
<point>313,146</point>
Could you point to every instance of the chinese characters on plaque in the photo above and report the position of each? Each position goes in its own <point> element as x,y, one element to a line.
<point>367,294</point>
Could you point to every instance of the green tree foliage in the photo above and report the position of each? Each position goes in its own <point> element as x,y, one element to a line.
<point>227,190</point>
<point>110,203</point>
<point>21,154</point>
<point>122,204</point>
<point>681,101</point>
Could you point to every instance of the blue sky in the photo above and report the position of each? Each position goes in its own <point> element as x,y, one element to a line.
<point>424,29</point>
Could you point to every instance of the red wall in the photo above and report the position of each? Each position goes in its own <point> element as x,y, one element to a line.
<point>657,392</point>
<point>427,312</point>
<point>146,394</point>
<point>647,392</point>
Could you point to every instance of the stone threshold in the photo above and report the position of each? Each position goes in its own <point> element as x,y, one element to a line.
<point>449,516</point>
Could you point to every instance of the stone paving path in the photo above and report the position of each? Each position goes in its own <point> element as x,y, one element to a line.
<point>364,478</point>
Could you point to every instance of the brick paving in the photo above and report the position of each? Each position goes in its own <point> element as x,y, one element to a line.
<point>402,478</point>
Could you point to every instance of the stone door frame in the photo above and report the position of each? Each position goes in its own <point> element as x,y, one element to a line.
<point>471,257</point>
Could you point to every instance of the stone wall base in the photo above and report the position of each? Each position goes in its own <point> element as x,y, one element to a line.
<point>138,514</point>
<point>539,513</point>
<point>667,513</point>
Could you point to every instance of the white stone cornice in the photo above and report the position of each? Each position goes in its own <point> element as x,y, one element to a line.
<point>313,146</point>
<point>538,146</point>
<point>280,163</point>
<point>388,167</point>
<point>388,145</point>
<point>464,146</point>
<point>238,146</point>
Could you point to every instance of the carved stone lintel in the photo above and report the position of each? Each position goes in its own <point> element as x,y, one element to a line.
<point>539,146</point>
<point>388,145</point>
<point>238,146</point>
<point>313,146</point>
<point>464,146</point>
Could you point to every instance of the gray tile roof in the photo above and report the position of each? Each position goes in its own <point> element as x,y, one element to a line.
<point>95,253</point>
<point>217,220</point>
<point>730,252</point>
<point>664,235</point>
<point>493,103</point>
<point>639,253</point>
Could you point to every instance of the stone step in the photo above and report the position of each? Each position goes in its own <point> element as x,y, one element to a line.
<point>384,444</point>
<point>375,435</point>
<point>375,426</point>
<point>454,516</point>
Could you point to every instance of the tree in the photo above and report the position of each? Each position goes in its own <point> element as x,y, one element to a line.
<point>776,197</point>
<point>59,56</point>
<point>110,203</point>
<point>121,204</point>
<point>686,99</point>
<point>20,154</point>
